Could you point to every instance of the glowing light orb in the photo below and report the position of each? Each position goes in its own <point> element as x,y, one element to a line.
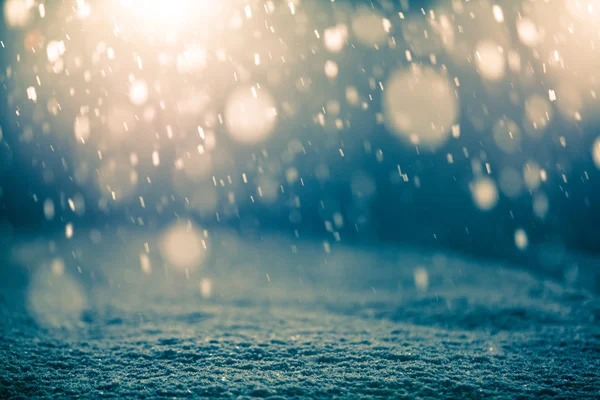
<point>69,231</point>
<point>370,28</point>
<point>331,69</point>
<point>83,9</point>
<point>485,193</point>
<point>18,13</point>
<point>57,267</point>
<point>335,38</point>
<point>250,115</point>
<point>206,288</point>
<point>169,13</point>
<point>138,92</point>
<point>421,278</point>
<point>521,239</point>
<point>490,60</point>
<point>498,13</point>
<point>596,152</point>
<point>183,246</point>
<point>291,175</point>
<point>55,50</point>
<point>145,263</point>
<point>528,32</point>
<point>420,105</point>
<point>532,176</point>
<point>538,112</point>
<point>49,210</point>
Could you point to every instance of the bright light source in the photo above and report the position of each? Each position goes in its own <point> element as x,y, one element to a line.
<point>18,12</point>
<point>171,12</point>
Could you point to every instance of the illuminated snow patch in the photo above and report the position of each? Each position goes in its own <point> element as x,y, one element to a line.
<point>54,298</point>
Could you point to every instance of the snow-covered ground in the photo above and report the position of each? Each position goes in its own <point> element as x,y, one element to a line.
<point>280,318</point>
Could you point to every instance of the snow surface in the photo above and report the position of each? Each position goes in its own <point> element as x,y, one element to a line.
<point>285,322</point>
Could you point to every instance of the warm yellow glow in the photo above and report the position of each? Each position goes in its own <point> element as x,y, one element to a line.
<point>18,13</point>
<point>172,12</point>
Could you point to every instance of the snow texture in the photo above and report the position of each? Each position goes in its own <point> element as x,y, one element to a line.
<point>285,322</point>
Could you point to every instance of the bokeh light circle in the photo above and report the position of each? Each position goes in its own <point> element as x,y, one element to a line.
<point>490,60</point>
<point>485,193</point>
<point>596,152</point>
<point>250,114</point>
<point>420,105</point>
<point>183,246</point>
